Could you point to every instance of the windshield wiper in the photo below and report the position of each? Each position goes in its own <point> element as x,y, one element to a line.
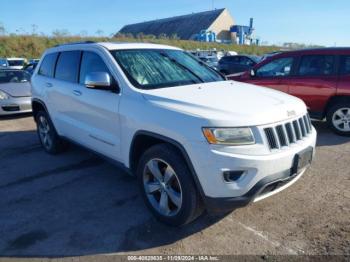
<point>183,67</point>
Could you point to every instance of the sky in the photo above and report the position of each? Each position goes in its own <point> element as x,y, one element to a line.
<point>319,22</point>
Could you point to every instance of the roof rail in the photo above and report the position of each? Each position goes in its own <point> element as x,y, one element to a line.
<point>76,43</point>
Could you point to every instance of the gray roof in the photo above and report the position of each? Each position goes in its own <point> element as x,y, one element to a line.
<point>184,26</point>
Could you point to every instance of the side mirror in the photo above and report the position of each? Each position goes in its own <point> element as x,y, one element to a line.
<point>252,73</point>
<point>98,80</point>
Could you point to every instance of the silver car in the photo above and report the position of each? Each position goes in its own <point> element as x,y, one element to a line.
<point>15,92</point>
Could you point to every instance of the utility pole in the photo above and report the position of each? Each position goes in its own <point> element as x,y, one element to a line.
<point>212,4</point>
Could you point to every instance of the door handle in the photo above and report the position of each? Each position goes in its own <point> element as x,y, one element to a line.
<point>48,84</point>
<point>77,92</point>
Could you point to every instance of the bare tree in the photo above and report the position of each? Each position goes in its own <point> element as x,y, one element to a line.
<point>60,33</point>
<point>2,29</point>
<point>99,32</point>
<point>34,29</point>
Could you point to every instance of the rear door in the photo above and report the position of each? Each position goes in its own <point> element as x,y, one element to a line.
<point>343,87</point>
<point>274,73</point>
<point>315,81</point>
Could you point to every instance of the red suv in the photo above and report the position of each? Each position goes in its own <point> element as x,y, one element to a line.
<point>320,77</point>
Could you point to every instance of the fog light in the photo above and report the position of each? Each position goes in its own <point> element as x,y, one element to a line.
<point>231,176</point>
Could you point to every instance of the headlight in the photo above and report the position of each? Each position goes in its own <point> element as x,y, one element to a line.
<point>3,95</point>
<point>229,136</point>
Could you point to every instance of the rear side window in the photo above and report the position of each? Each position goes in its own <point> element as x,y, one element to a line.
<point>276,68</point>
<point>47,67</point>
<point>91,62</point>
<point>230,59</point>
<point>316,65</point>
<point>246,61</point>
<point>345,65</point>
<point>67,67</point>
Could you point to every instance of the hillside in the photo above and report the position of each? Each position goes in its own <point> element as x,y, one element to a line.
<point>33,46</point>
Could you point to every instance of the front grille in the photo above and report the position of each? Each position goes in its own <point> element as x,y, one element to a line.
<point>288,133</point>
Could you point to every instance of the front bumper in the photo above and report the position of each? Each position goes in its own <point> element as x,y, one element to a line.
<point>266,187</point>
<point>261,173</point>
<point>15,105</point>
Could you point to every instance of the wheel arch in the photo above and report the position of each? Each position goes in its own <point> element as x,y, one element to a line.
<point>38,105</point>
<point>143,140</point>
<point>334,100</point>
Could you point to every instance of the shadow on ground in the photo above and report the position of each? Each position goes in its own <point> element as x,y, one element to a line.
<point>326,137</point>
<point>73,204</point>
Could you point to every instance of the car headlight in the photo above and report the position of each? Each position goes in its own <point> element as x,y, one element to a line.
<point>229,136</point>
<point>3,95</point>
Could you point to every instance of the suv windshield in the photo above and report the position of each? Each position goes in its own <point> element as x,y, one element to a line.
<point>15,62</point>
<point>157,68</point>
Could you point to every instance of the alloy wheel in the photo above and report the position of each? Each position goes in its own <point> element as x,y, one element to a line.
<point>44,132</point>
<point>162,187</point>
<point>341,119</point>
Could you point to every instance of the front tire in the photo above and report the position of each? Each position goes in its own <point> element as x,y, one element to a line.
<point>167,186</point>
<point>338,118</point>
<point>48,136</point>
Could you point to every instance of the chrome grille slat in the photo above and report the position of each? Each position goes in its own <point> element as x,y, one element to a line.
<point>290,132</point>
<point>297,129</point>
<point>286,134</point>
<point>281,136</point>
<point>302,127</point>
<point>306,124</point>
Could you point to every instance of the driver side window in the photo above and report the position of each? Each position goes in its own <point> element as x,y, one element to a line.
<point>276,68</point>
<point>90,63</point>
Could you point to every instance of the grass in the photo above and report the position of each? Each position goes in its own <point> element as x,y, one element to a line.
<point>29,46</point>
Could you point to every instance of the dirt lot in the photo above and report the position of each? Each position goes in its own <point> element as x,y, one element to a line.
<point>78,204</point>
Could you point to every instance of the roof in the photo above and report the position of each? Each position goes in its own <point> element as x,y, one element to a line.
<point>125,45</point>
<point>325,50</point>
<point>15,58</point>
<point>109,46</point>
<point>184,26</point>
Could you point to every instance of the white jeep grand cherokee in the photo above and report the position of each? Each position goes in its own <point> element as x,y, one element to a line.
<point>192,139</point>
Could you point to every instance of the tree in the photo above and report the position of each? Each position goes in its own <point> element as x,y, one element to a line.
<point>34,29</point>
<point>162,36</point>
<point>99,32</point>
<point>60,33</point>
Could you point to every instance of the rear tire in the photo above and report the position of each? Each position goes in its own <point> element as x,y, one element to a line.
<point>338,118</point>
<point>167,186</point>
<point>49,139</point>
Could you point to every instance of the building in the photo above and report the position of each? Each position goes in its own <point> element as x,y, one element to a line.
<point>204,26</point>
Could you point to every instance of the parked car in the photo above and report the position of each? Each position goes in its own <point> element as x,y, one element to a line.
<point>3,63</point>
<point>16,63</point>
<point>236,64</point>
<point>30,68</point>
<point>15,93</point>
<point>320,77</point>
<point>193,139</point>
<point>211,61</point>
<point>265,56</point>
<point>33,61</point>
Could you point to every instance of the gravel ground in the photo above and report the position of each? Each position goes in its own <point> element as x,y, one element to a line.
<point>76,204</point>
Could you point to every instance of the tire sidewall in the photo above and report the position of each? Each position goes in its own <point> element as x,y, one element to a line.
<point>52,132</point>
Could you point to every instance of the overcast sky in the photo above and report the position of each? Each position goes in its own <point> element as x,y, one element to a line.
<point>320,22</point>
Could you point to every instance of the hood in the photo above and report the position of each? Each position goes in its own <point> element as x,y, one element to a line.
<point>16,89</point>
<point>228,103</point>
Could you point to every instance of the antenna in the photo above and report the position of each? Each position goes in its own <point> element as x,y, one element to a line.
<point>212,4</point>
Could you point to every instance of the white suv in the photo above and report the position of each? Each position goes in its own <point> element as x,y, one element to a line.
<point>193,139</point>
